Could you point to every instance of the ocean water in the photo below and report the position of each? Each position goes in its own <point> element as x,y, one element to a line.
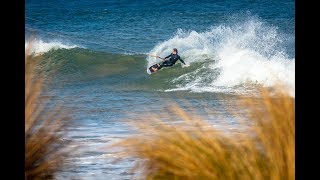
<point>99,50</point>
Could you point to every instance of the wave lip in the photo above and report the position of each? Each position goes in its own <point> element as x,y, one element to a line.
<point>39,46</point>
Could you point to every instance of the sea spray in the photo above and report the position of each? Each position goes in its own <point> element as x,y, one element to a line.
<point>250,52</point>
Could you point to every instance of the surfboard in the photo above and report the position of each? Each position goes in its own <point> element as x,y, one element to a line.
<point>151,70</point>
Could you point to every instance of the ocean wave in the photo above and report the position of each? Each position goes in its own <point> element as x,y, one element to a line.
<point>250,52</point>
<point>38,46</point>
<point>231,59</point>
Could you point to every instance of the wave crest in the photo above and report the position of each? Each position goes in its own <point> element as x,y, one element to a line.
<point>39,46</point>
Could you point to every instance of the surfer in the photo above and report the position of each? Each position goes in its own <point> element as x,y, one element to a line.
<point>170,60</point>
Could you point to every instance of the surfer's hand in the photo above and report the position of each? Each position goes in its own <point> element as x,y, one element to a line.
<point>186,65</point>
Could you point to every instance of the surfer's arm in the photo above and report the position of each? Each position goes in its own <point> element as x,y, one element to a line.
<point>182,61</point>
<point>168,56</point>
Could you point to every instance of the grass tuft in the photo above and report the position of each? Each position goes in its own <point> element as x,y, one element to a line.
<point>188,147</point>
<point>45,149</point>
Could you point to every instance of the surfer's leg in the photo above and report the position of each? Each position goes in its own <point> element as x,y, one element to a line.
<point>159,67</point>
<point>165,64</point>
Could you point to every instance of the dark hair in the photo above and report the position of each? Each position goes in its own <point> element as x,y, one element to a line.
<point>176,50</point>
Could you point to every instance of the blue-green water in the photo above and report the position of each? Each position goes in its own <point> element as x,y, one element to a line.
<point>98,53</point>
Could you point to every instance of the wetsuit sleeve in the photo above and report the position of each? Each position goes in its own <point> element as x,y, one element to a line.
<point>182,61</point>
<point>168,56</point>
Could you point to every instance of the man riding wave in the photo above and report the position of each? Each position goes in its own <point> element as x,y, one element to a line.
<point>169,60</point>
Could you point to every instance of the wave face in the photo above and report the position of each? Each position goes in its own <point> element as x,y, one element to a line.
<point>232,57</point>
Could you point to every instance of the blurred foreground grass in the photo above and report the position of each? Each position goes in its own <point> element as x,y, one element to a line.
<point>194,149</point>
<point>45,149</point>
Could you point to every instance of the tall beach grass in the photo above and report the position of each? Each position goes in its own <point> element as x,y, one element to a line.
<point>45,125</point>
<point>189,147</point>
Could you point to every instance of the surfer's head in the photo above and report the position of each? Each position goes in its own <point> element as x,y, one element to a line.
<point>175,51</point>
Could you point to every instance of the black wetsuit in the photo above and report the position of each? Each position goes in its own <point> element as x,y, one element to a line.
<point>170,62</point>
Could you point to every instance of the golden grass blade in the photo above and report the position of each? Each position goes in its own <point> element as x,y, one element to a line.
<point>44,127</point>
<point>193,149</point>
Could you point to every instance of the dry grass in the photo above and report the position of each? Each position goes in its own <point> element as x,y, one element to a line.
<point>44,127</point>
<point>193,149</point>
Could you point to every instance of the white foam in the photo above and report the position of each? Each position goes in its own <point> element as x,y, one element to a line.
<point>245,53</point>
<point>38,46</point>
<point>240,66</point>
